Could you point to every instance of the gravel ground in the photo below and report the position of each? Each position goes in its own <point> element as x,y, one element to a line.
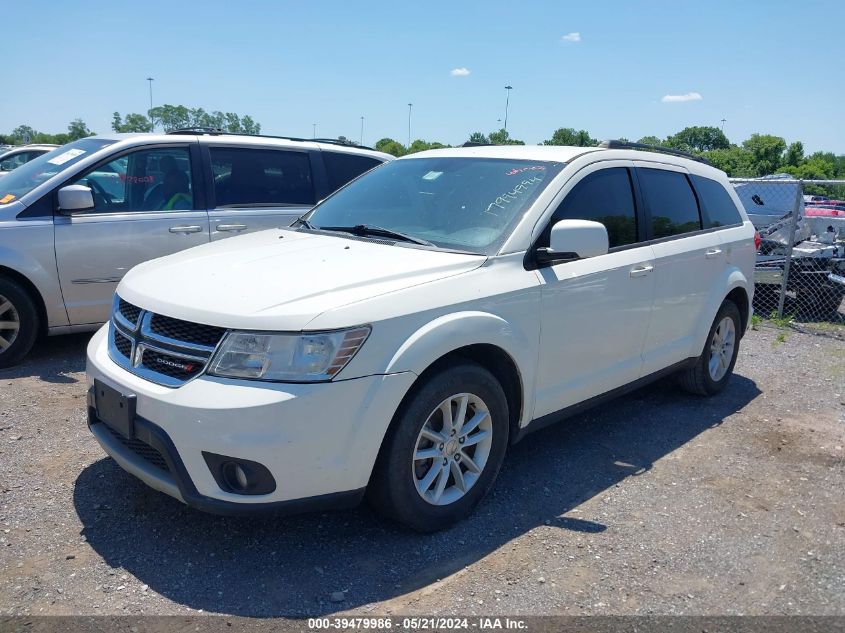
<point>658,503</point>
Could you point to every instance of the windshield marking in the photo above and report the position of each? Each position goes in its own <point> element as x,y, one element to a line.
<point>511,195</point>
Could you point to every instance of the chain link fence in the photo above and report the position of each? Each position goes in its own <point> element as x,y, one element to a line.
<point>800,269</point>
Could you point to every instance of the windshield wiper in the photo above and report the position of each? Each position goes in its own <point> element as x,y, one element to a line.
<point>301,221</point>
<point>369,229</point>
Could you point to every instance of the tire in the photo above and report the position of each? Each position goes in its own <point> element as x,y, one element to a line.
<point>19,323</point>
<point>699,379</point>
<point>398,489</point>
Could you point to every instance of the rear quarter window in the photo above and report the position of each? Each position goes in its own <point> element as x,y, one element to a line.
<point>717,206</point>
<point>341,167</point>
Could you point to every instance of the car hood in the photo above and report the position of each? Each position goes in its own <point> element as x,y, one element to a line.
<point>281,279</point>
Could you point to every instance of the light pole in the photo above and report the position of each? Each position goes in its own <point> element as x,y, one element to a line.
<point>723,124</point>
<point>151,80</point>
<point>410,105</point>
<point>361,142</point>
<point>314,132</point>
<point>507,103</point>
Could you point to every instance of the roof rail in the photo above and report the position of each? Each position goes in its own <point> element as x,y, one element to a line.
<point>614,144</point>
<point>198,130</point>
<point>216,131</point>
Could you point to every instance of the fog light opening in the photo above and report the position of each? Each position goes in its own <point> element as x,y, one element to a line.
<point>235,476</point>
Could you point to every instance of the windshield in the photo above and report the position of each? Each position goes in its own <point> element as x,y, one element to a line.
<point>27,177</point>
<point>467,203</point>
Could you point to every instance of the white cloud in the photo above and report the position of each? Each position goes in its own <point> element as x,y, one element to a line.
<point>690,96</point>
<point>459,72</point>
<point>575,36</point>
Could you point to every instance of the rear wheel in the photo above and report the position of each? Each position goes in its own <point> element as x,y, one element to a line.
<point>18,322</point>
<point>714,367</point>
<point>443,450</point>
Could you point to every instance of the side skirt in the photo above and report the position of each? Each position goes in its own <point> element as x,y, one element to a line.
<point>575,409</point>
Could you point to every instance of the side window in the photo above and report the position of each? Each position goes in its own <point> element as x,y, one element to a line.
<point>605,196</point>
<point>716,204</point>
<point>671,201</point>
<point>146,180</point>
<point>14,162</point>
<point>261,177</point>
<point>341,167</point>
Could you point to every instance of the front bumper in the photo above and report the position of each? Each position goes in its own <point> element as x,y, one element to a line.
<point>319,441</point>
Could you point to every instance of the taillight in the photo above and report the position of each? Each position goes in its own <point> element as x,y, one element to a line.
<point>757,240</point>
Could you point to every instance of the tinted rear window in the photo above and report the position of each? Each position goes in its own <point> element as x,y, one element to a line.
<point>261,177</point>
<point>341,168</point>
<point>717,206</point>
<point>674,209</point>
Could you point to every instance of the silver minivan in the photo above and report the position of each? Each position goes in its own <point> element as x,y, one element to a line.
<point>75,220</point>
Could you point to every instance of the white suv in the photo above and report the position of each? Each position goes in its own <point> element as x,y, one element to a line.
<point>399,337</point>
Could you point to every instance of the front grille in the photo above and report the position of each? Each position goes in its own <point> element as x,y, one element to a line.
<point>129,312</point>
<point>196,333</point>
<point>123,344</point>
<point>169,365</point>
<point>159,348</point>
<point>141,449</point>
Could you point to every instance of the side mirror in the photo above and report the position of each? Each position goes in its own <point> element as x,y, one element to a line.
<point>574,239</point>
<point>75,198</point>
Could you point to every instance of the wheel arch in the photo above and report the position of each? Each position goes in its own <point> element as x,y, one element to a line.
<point>484,338</point>
<point>732,285</point>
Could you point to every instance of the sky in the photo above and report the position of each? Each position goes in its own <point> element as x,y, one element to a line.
<point>615,68</point>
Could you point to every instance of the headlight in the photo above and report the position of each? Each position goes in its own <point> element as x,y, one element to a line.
<point>310,357</point>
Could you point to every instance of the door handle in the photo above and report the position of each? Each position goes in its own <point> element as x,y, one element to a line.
<point>713,253</point>
<point>231,227</point>
<point>193,228</point>
<point>641,271</point>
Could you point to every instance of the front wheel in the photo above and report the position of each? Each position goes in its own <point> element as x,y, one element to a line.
<point>443,450</point>
<point>18,323</point>
<point>714,367</point>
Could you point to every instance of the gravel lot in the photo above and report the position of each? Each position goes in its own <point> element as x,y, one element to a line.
<point>659,503</point>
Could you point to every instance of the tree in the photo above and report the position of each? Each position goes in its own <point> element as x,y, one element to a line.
<point>478,137</point>
<point>698,139</point>
<point>132,122</point>
<point>767,152</point>
<point>174,117</point>
<point>390,146</point>
<point>568,136</point>
<point>735,161</point>
<point>420,146</point>
<point>650,140</point>
<point>501,137</point>
<point>171,117</point>
<point>77,129</point>
<point>794,154</point>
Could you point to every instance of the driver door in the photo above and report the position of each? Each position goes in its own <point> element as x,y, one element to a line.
<point>147,204</point>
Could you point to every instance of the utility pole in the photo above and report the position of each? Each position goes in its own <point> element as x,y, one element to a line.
<point>361,142</point>
<point>507,103</point>
<point>314,132</point>
<point>151,80</point>
<point>410,105</point>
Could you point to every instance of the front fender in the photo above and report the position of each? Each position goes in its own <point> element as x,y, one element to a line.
<point>26,248</point>
<point>449,332</point>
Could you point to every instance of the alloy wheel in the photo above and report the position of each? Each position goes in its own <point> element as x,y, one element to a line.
<point>10,324</point>
<point>722,348</point>
<point>452,449</point>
